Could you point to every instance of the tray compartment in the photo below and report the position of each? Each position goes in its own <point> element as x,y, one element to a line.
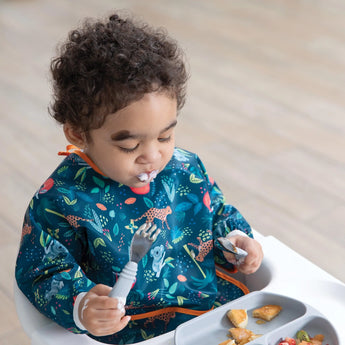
<point>311,324</point>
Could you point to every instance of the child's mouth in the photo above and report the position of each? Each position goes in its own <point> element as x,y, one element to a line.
<point>147,177</point>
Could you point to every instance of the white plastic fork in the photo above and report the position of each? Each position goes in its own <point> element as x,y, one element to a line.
<point>140,245</point>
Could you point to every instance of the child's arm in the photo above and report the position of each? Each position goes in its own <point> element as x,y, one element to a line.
<point>226,219</point>
<point>99,314</point>
<point>47,272</point>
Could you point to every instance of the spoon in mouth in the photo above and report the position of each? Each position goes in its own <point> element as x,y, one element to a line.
<point>144,177</point>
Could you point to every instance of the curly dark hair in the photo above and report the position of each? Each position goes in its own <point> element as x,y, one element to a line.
<point>105,66</point>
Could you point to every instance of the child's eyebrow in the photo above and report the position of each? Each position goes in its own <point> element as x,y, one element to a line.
<point>125,134</point>
<point>172,125</point>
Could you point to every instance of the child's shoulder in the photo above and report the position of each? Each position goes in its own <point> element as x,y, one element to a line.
<point>186,160</point>
<point>69,173</point>
<point>183,156</point>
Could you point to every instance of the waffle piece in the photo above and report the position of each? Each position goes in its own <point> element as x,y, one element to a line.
<point>242,335</point>
<point>238,317</point>
<point>267,312</point>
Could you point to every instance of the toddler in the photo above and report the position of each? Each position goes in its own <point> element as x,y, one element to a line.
<point>118,87</point>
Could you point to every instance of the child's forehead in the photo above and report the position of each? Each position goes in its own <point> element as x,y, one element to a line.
<point>152,113</point>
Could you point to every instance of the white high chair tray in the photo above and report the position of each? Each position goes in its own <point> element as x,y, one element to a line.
<point>212,327</point>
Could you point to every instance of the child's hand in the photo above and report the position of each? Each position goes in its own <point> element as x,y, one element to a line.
<point>100,314</point>
<point>255,254</point>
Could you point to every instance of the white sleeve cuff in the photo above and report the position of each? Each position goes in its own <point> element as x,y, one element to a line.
<point>75,311</point>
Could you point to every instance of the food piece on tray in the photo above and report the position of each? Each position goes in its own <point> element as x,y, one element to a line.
<point>267,312</point>
<point>303,338</point>
<point>242,335</point>
<point>228,342</point>
<point>238,317</point>
<point>302,335</point>
<point>288,341</point>
<point>317,339</point>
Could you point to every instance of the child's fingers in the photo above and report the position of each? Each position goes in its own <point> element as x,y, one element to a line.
<point>107,327</point>
<point>255,254</point>
<point>254,258</point>
<point>101,290</point>
<point>104,321</point>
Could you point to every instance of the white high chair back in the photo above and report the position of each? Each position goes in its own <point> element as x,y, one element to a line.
<point>40,329</point>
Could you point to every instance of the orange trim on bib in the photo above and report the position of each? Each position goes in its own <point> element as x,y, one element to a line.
<point>233,281</point>
<point>169,310</point>
<point>74,149</point>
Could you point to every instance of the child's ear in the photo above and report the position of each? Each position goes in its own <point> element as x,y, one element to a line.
<point>74,136</point>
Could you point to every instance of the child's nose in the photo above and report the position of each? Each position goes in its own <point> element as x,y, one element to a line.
<point>149,155</point>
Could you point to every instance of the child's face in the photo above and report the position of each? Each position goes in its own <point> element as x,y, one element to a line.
<point>135,143</point>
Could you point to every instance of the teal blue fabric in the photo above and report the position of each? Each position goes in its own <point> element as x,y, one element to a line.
<point>77,232</point>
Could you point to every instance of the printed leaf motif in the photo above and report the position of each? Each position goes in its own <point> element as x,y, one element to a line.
<point>166,282</point>
<point>170,190</point>
<point>68,233</point>
<point>197,208</point>
<point>169,296</point>
<point>65,275</point>
<point>69,202</point>
<point>108,236</point>
<point>154,293</point>
<point>95,190</point>
<point>167,260</point>
<point>84,196</point>
<point>52,310</point>
<point>173,288</point>
<point>62,169</point>
<point>79,172</point>
<point>66,312</point>
<point>144,261</point>
<point>145,336</point>
<point>180,300</point>
<point>193,198</point>
<point>148,202</point>
<point>97,225</point>
<point>194,179</point>
<point>107,188</point>
<point>183,206</point>
<point>42,240</point>
<point>116,229</point>
<point>98,241</point>
<point>78,274</point>
<point>98,182</point>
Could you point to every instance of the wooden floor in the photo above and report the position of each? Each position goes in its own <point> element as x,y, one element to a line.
<point>266,113</point>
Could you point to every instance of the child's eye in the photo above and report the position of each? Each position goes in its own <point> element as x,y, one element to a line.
<point>164,140</point>
<point>128,150</point>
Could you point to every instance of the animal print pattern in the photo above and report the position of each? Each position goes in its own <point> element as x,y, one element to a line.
<point>78,229</point>
<point>203,248</point>
<point>156,213</point>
